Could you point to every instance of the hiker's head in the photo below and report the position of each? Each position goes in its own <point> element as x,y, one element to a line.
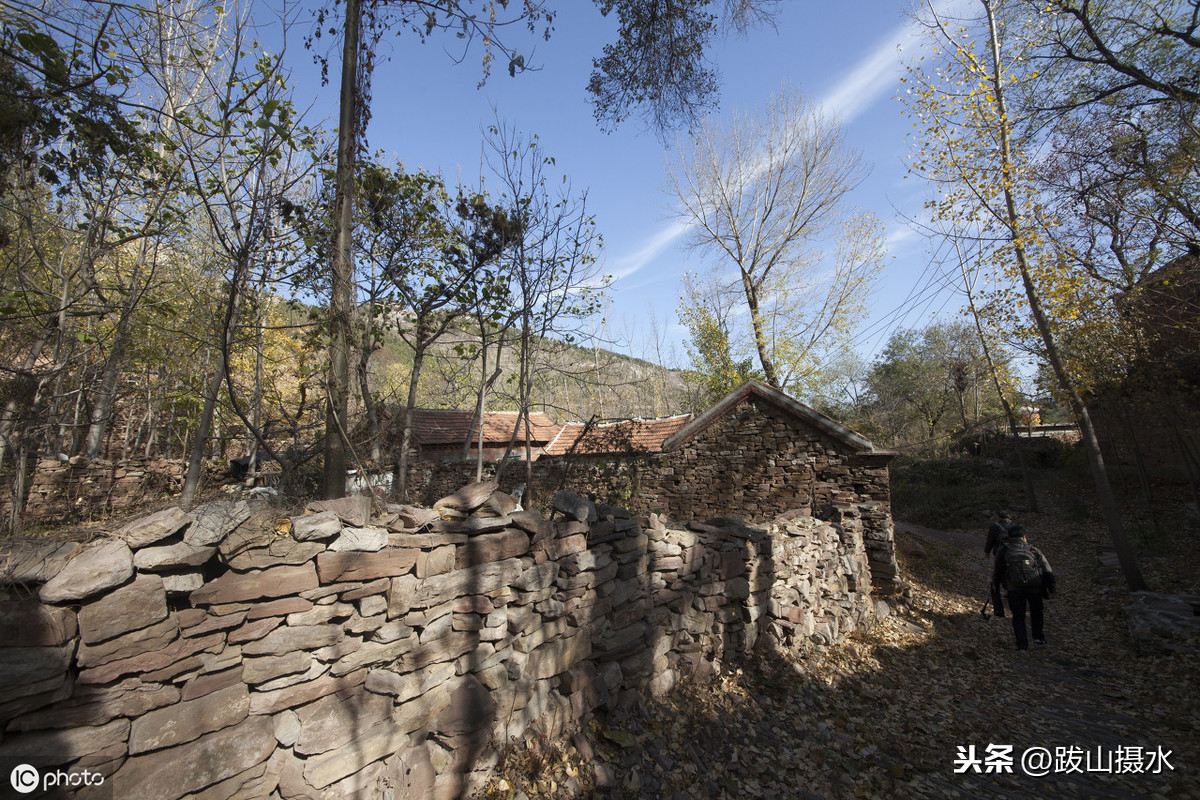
<point>1016,532</point>
<point>1002,514</point>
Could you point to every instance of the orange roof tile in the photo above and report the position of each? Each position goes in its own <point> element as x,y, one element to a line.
<point>445,426</point>
<point>622,436</point>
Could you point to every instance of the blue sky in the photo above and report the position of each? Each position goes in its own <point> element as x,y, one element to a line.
<point>428,112</point>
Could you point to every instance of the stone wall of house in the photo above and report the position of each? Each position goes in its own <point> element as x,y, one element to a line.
<point>1161,429</point>
<point>61,491</point>
<point>755,463</point>
<point>233,652</point>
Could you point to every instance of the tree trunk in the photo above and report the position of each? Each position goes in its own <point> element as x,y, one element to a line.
<point>1104,492</point>
<point>760,335</point>
<point>196,461</point>
<point>16,514</point>
<point>406,436</point>
<point>480,404</point>
<point>364,388</point>
<point>9,415</point>
<point>1026,472</point>
<point>256,410</point>
<point>106,396</point>
<point>334,479</point>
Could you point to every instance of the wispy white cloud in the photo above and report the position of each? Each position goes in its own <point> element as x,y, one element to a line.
<point>626,265</point>
<point>869,80</point>
<point>899,236</point>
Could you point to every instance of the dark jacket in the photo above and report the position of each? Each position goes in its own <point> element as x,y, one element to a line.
<point>1001,567</point>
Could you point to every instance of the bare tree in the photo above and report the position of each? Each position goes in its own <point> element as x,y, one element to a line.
<point>241,155</point>
<point>555,280</point>
<point>758,193</point>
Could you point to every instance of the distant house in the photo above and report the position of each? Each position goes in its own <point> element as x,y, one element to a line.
<point>756,453</point>
<point>440,435</point>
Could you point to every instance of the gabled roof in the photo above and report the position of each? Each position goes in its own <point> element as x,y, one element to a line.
<point>446,426</point>
<point>784,402</point>
<point>623,436</point>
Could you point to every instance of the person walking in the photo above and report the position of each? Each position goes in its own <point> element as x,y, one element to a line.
<point>1028,579</point>
<point>997,533</point>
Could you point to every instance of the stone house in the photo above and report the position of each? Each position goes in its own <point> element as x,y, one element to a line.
<point>1150,419</point>
<point>757,453</point>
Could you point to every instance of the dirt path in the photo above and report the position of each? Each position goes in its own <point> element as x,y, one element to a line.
<point>891,712</point>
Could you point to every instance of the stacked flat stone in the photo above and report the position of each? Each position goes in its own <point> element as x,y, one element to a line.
<point>348,651</point>
<point>73,489</point>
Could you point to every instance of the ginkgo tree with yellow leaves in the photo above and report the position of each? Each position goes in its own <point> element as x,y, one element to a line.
<point>980,162</point>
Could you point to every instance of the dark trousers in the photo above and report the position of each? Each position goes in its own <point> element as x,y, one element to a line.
<point>1017,600</point>
<point>997,600</point>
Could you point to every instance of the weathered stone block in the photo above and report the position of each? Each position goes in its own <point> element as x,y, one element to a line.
<point>97,705</point>
<point>532,523</point>
<point>189,720</point>
<point>267,668</point>
<point>370,653</point>
<point>172,556</point>
<point>154,528</point>
<point>176,651</point>
<point>490,547</point>
<point>574,506</point>
<point>438,561</point>
<point>146,640</point>
<point>214,521</point>
<point>29,623</point>
<point>565,545</point>
<point>66,745</point>
<point>270,702</point>
<point>278,608</point>
<point>335,720</point>
<point>256,584</point>
<point>172,773</point>
<point>278,552</point>
<point>316,527</point>
<point>182,582</point>
<point>288,639</point>
<point>250,631</point>
<point>357,566</point>
<point>360,540</point>
<point>468,498</point>
<point>558,656</point>
<point>25,563</point>
<point>354,511</point>
<point>102,564</point>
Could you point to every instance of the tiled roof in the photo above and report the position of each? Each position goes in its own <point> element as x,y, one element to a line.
<point>440,427</point>
<point>637,435</point>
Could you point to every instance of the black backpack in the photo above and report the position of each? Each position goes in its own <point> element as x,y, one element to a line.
<point>1022,570</point>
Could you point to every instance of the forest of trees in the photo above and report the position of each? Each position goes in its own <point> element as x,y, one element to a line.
<point>189,269</point>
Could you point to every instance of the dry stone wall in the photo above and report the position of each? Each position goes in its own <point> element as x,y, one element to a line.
<point>74,489</point>
<point>234,653</point>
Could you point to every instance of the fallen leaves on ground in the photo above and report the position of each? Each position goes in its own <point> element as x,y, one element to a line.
<point>883,714</point>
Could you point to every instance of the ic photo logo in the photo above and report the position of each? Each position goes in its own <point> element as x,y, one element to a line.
<point>25,779</point>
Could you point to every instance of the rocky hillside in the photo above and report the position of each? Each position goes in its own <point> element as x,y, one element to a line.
<point>572,383</point>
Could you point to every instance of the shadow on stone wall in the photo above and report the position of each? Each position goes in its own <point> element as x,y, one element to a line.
<point>235,652</point>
